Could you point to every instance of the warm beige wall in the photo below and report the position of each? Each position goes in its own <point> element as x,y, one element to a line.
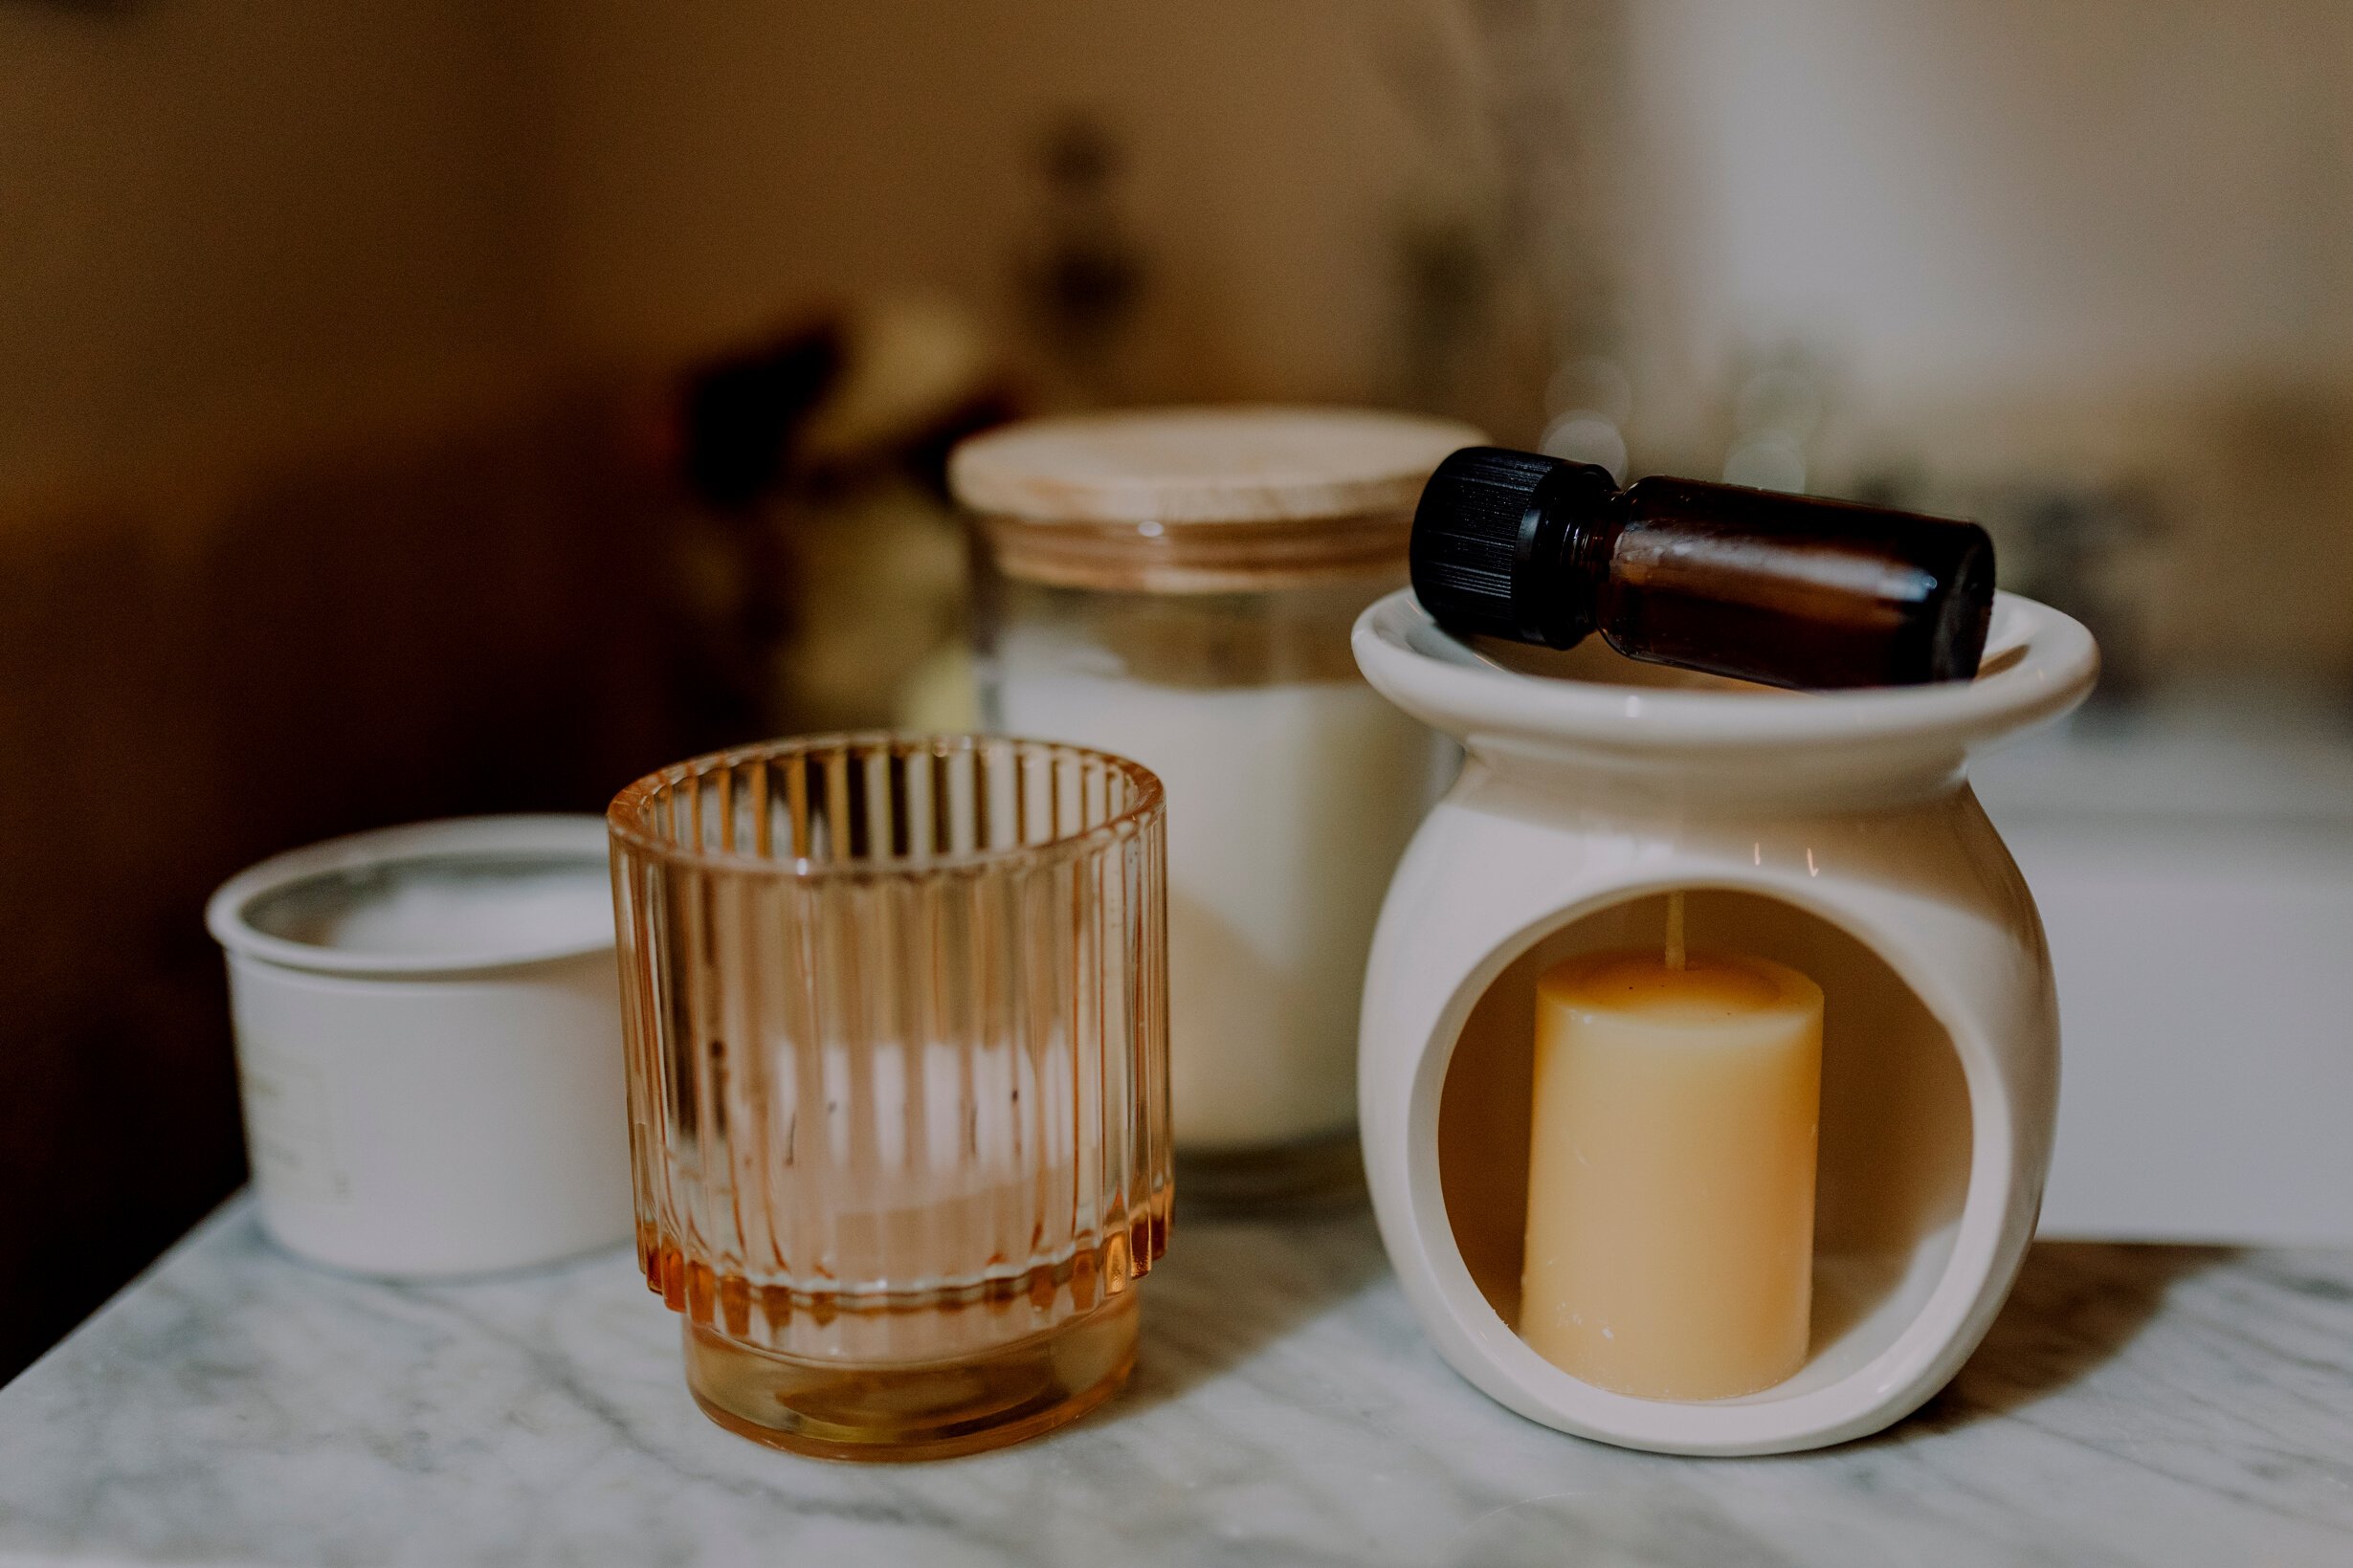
<point>226,214</point>
<point>1999,200</point>
<point>2088,244</point>
<point>220,218</point>
<point>224,225</point>
<point>721,161</point>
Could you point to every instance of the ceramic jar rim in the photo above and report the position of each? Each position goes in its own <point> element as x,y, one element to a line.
<point>558,835</point>
<point>2038,664</point>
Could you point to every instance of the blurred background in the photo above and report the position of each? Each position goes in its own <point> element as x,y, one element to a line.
<point>415,407</point>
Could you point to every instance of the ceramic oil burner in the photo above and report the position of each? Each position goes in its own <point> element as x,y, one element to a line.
<point>1831,832</point>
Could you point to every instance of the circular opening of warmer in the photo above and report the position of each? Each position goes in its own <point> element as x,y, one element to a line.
<point>1893,1148</point>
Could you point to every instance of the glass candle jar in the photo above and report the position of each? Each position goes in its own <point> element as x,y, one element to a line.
<point>1178,586</point>
<point>895,1013</point>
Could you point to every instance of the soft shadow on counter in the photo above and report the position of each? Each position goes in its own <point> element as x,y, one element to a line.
<point>2076,1304</point>
<point>1229,1288</point>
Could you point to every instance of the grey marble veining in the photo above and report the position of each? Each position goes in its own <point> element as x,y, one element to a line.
<point>2134,1405</point>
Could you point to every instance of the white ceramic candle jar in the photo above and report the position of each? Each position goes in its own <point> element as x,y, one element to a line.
<point>429,1045</point>
<point>1833,834</point>
<point>1178,586</point>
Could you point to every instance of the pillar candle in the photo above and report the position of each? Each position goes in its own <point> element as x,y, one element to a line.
<point>1670,1174</point>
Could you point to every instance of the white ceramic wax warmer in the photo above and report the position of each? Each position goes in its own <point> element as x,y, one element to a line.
<point>1832,833</point>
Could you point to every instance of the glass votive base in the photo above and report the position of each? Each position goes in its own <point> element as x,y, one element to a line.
<point>828,1410</point>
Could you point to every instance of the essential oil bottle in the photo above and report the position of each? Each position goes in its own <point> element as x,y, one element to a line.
<point>1789,590</point>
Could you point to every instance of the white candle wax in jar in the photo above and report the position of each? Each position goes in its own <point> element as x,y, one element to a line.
<point>1288,806</point>
<point>453,909</point>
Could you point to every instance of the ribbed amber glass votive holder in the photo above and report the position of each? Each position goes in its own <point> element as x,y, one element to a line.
<point>896,1012</point>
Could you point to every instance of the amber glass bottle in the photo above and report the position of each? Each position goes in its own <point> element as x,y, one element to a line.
<point>1790,590</point>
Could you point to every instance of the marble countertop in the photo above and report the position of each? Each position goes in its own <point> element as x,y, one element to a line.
<point>2134,1405</point>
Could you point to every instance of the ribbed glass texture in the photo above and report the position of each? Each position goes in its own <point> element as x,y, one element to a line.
<point>897,1021</point>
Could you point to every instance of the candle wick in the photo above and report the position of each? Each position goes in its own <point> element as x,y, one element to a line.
<point>1674,929</point>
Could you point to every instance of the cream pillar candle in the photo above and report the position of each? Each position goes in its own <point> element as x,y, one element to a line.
<point>1670,1174</point>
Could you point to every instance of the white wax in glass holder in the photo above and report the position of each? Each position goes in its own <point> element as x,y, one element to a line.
<point>1289,804</point>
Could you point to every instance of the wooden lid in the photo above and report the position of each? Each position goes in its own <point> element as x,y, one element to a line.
<point>1199,499</point>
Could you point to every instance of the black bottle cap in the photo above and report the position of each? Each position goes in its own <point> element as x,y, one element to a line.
<point>1492,532</point>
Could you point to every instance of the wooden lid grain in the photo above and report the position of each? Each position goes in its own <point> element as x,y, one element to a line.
<point>1202,498</point>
